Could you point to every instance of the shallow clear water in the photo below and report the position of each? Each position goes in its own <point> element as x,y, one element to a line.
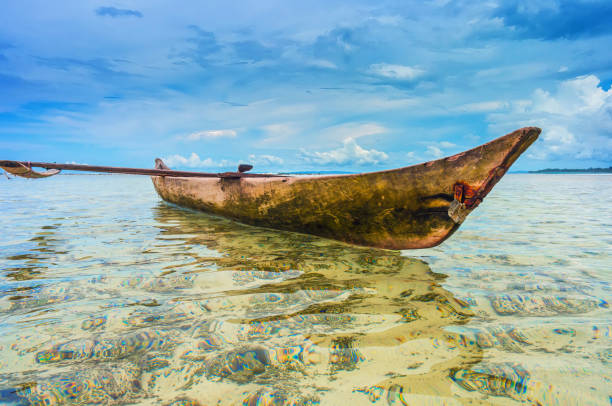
<point>109,295</point>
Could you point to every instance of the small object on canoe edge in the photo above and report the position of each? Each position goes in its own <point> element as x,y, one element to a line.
<point>244,168</point>
<point>458,211</point>
<point>159,164</point>
<point>412,207</point>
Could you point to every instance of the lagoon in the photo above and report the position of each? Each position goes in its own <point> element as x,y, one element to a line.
<point>110,295</point>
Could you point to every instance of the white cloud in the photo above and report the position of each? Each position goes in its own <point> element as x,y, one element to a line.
<point>279,133</point>
<point>351,130</point>
<point>412,158</point>
<point>400,72</point>
<point>321,63</point>
<point>288,133</point>
<point>349,153</point>
<point>211,134</point>
<point>265,160</point>
<point>295,54</point>
<point>576,120</point>
<point>434,152</point>
<point>193,161</point>
<point>446,144</point>
<point>279,130</point>
<point>482,107</point>
<point>581,95</point>
<point>389,19</point>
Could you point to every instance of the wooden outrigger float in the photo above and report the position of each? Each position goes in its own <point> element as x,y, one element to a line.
<point>417,206</point>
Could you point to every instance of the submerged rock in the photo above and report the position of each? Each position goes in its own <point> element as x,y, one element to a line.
<point>507,338</point>
<point>39,300</point>
<point>374,393</point>
<point>266,397</point>
<point>168,283</point>
<point>343,355</point>
<point>507,379</point>
<point>304,353</point>
<point>244,276</point>
<point>542,305</point>
<point>394,394</point>
<point>104,349</point>
<point>93,323</point>
<point>184,402</point>
<point>239,365</point>
<point>105,385</point>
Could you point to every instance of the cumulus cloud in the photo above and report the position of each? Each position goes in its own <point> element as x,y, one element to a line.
<point>265,160</point>
<point>576,120</point>
<point>432,151</point>
<point>447,144</point>
<point>193,161</point>
<point>199,135</point>
<point>117,12</point>
<point>349,153</point>
<point>397,72</point>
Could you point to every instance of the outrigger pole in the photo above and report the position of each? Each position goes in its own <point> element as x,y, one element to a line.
<point>24,169</point>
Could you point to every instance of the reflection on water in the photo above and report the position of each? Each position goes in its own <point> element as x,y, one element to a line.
<point>42,249</point>
<point>246,314</point>
<point>132,300</point>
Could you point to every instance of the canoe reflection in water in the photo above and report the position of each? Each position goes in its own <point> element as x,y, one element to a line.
<point>260,317</point>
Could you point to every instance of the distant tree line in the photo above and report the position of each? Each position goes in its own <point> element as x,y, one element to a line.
<point>589,170</point>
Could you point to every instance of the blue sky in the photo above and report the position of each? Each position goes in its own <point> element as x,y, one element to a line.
<point>322,85</point>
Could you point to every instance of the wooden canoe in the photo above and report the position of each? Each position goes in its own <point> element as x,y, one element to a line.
<point>412,207</point>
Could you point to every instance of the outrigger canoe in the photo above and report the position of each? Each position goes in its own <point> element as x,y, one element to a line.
<point>416,206</point>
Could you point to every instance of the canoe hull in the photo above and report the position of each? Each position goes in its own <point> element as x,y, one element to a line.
<point>413,207</point>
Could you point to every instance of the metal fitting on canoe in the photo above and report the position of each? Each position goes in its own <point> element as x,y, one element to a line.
<point>458,211</point>
<point>466,198</point>
<point>467,195</point>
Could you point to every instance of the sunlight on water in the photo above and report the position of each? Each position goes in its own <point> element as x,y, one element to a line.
<point>109,295</point>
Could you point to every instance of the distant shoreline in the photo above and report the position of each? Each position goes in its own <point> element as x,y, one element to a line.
<point>589,170</point>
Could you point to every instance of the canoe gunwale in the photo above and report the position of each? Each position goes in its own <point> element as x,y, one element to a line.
<point>512,156</point>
